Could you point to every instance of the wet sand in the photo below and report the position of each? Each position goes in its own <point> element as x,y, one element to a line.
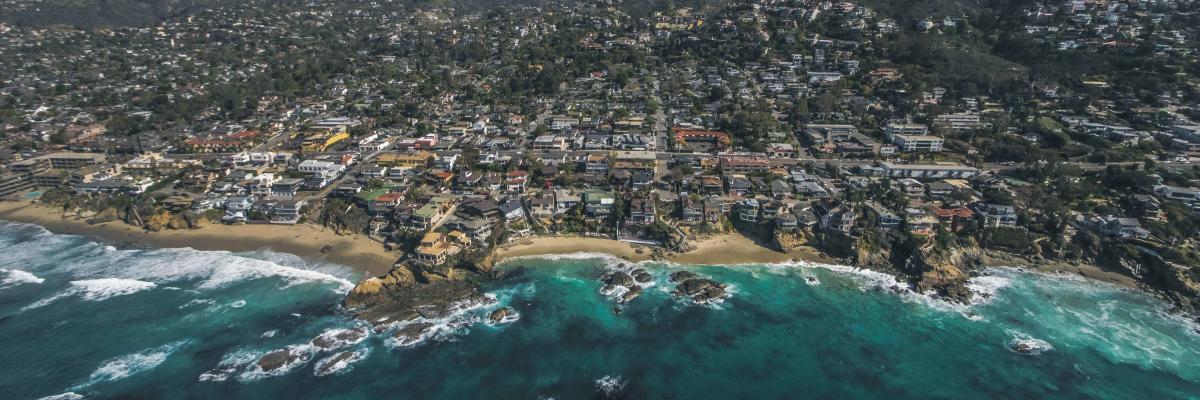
<point>304,240</point>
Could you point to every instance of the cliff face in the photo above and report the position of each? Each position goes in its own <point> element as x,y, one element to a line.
<point>1178,283</point>
<point>944,273</point>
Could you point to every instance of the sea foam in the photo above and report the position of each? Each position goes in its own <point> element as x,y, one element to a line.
<point>14,277</point>
<point>96,290</point>
<point>118,368</point>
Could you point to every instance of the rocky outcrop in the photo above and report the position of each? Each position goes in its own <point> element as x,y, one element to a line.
<point>412,333</point>
<point>278,359</point>
<point>787,241</point>
<point>158,221</point>
<point>700,290</point>
<point>619,278</point>
<point>631,294</point>
<point>501,313</point>
<point>1176,282</point>
<point>407,292</point>
<point>339,339</point>
<point>641,276</point>
<point>942,272</point>
<point>680,276</point>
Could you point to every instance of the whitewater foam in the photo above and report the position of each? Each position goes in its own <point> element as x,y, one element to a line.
<point>228,366</point>
<point>64,396</point>
<point>298,355</point>
<point>338,364</point>
<point>610,384</point>
<point>96,290</point>
<point>130,364</point>
<point>211,269</point>
<point>14,277</point>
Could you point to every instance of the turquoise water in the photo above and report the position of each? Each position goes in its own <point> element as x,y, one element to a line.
<point>87,319</point>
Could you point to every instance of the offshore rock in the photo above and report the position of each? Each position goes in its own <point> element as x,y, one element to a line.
<point>277,359</point>
<point>500,314</point>
<point>412,333</point>
<point>642,276</point>
<point>681,276</point>
<point>619,279</point>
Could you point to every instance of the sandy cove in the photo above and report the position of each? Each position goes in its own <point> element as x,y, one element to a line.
<point>727,249</point>
<point>304,240</point>
<point>369,256</point>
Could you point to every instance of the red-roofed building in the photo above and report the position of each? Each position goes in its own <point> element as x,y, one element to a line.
<point>955,218</point>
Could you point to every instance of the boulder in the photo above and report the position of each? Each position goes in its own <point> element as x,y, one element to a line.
<point>501,313</point>
<point>709,293</point>
<point>642,276</point>
<point>333,362</point>
<point>633,293</point>
<point>619,278</point>
<point>695,285</point>
<point>680,276</point>
<point>276,359</point>
<point>158,221</point>
<point>329,342</point>
<point>412,333</point>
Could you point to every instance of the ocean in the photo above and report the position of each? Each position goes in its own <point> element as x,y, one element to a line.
<point>80,319</point>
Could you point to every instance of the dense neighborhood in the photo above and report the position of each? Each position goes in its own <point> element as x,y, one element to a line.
<point>839,125</point>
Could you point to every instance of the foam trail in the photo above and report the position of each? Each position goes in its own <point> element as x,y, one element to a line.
<point>16,277</point>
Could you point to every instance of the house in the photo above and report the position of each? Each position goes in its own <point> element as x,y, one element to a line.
<point>565,201</point>
<point>436,247</point>
<point>384,203</point>
<point>747,210</point>
<point>939,189</point>
<point>479,207</point>
<point>821,134</point>
<point>886,220</point>
<point>287,212</point>
<point>286,188</point>
<point>598,203</point>
<point>1121,227</point>
<point>425,216</point>
<point>541,205</point>
<point>812,189</point>
<point>691,211</point>
<point>996,215</point>
<point>910,187</point>
<point>477,228</point>
<point>641,211</point>
<point>920,222</point>
<point>1186,195</point>
<point>714,209</point>
<point>838,218</point>
<point>515,181</point>
<point>237,207</point>
<point>512,210</point>
<point>955,218</point>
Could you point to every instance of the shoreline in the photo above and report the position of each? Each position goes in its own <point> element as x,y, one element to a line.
<point>367,256</point>
<point>361,254</point>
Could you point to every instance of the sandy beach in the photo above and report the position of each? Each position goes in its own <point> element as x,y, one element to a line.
<point>358,252</point>
<point>727,249</point>
<point>369,256</point>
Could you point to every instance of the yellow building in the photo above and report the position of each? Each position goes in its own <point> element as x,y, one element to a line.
<point>321,141</point>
